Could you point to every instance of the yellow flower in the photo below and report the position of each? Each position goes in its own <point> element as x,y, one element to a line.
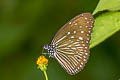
<point>42,62</point>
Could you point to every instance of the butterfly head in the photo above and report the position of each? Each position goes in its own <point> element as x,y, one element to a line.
<point>50,49</point>
<point>45,46</point>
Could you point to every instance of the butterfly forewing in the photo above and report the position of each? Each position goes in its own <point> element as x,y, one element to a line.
<point>72,43</point>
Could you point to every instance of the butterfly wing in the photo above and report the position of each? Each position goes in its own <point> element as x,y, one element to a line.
<point>72,43</point>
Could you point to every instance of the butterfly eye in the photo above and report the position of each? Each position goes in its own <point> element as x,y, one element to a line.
<point>45,46</point>
<point>70,45</point>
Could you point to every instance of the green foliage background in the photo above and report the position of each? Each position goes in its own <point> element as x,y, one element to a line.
<point>26,25</point>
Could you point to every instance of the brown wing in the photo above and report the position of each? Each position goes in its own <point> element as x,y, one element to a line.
<point>72,43</point>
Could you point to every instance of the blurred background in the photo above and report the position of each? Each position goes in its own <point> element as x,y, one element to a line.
<point>26,25</point>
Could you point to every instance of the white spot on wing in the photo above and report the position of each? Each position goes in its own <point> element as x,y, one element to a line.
<point>74,31</point>
<point>81,38</point>
<point>68,33</point>
<point>86,53</point>
<point>89,31</point>
<point>92,22</point>
<point>86,41</point>
<point>86,18</point>
<point>86,26</point>
<point>84,56</point>
<point>84,60</point>
<point>80,65</point>
<point>85,50</point>
<point>72,37</point>
<point>85,47</point>
<point>82,31</point>
<point>80,26</point>
<point>70,22</point>
<point>87,22</point>
<point>75,23</point>
<point>87,34</point>
<point>83,44</point>
<point>90,28</point>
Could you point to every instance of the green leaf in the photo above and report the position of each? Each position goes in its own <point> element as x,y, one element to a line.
<point>111,5</point>
<point>105,26</point>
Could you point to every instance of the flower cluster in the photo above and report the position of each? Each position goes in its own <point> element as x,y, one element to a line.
<point>42,63</point>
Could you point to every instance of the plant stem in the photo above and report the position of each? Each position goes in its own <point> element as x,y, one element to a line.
<point>45,75</point>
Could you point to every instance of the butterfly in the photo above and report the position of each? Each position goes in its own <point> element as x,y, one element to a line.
<point>70,45</point>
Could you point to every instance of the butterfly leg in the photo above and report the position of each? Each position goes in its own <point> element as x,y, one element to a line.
<point>44,53</point>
